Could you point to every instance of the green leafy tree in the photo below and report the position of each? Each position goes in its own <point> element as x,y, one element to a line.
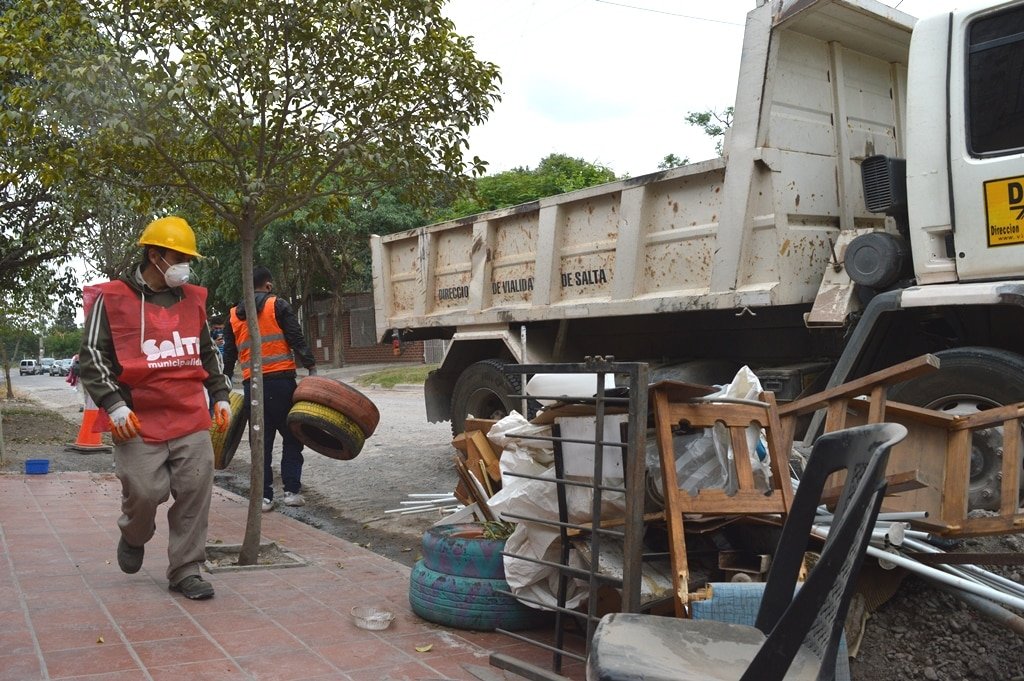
<point>672,161</point>
<point>713,123</point>
<point>555,174</point>
<point>254,109</point>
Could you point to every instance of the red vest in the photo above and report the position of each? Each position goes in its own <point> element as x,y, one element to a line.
<point>164,370</point>
<point>274,349</point>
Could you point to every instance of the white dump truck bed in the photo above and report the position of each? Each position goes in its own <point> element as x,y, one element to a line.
<point>821,86</point>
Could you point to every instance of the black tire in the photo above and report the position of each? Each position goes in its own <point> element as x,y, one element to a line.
<point>460,550</point>
<point>972,379</point>
<point>325,430</point>
<point>341,397</point>
<point>468,603</point>
<point>483,390</point>
<point>226,444</point>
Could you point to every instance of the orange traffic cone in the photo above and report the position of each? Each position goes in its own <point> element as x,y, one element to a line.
<point>88,441</point>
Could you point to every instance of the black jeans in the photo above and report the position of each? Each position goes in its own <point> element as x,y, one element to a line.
<point>277,400</point>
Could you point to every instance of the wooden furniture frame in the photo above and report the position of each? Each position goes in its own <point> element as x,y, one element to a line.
<point>930,470</point>
<point>748,499</point>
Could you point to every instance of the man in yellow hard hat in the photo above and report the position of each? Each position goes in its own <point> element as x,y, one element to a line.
<point>148,362</point>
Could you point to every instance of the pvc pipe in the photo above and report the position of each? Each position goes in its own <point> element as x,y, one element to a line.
<point>996,613</point>
<point>944,577</point>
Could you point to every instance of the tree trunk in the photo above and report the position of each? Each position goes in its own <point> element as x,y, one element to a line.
<point>254,518</point>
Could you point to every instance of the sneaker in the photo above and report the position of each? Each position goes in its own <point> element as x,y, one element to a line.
<point>194,588</point>
<point>268,504</point>
<point>129,558</point>
<point>293,499</point>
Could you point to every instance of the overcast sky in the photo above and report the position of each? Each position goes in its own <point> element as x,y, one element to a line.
<point>610,82</point>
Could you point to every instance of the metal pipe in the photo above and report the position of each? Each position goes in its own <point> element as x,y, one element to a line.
<point>996,613</point>
<point>979,572</point>
<point>944,577</point>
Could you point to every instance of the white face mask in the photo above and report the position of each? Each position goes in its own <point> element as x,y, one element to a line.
<point>176,275</point>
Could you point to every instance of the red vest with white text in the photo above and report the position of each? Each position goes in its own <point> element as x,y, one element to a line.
<point>164,369</point>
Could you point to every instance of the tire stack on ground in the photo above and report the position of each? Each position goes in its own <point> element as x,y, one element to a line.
<point>225,443</point>
<point>331,417</point>
<point>459,581</point>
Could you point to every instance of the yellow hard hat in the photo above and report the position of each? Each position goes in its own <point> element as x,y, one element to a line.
<point>170,232</point>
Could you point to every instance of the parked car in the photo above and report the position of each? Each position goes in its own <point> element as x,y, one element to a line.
<point>44,365</point>
<point>28,366</point>
<point>62,367</point>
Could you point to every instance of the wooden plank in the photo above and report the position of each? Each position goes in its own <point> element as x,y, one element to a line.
<point>904,413</point>
<point>483,425</point>
<point>1010,489</point>
<point>957,477</point>
<point>717,502</point>
<point>897,482</point>
<point>876,413</point>
<point>860,386</point>
<point>486,452</point>
<point>989,417</point>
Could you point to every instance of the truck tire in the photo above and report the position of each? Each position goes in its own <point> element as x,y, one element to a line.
<point>342,397</point>
<point>483,390</point>
<point>972,379</point>
<point>325,430</point>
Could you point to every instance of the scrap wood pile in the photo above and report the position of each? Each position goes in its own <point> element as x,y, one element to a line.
<point>929,497</point>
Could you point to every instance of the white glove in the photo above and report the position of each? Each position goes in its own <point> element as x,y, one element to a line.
<point>124,423</point>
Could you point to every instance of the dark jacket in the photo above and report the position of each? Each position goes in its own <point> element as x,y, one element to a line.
<point>289,324</point>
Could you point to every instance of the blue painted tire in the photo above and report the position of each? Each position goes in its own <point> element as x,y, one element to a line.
<point>468,603</point>
<point>461,550</point>
<point>457,590</point>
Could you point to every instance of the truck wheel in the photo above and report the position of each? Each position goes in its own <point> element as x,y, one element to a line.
<point>483,391</point>
<point>969,380</point>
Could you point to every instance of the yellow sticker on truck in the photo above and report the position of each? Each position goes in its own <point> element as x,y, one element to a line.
<point>1004,211</point>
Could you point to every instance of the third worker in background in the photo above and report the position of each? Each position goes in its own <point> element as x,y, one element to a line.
<point>283,344</point>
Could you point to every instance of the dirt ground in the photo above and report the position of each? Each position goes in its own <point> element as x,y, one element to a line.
<point>919,633</point>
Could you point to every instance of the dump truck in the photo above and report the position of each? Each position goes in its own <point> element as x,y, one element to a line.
<point>868,208</point>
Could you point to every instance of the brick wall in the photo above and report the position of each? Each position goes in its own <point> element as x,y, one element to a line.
<point>320,325</point>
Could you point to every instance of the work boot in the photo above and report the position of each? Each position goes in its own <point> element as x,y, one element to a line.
<point>293,499</point>
<point>129,558</point>
<point>193,588</point>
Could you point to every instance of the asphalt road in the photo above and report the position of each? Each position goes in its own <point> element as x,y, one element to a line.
<point>348,498</point>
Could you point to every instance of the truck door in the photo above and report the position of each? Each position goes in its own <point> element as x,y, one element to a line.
<point>986,141</point>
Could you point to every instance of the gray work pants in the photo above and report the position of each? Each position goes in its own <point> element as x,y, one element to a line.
<point>151,473</point>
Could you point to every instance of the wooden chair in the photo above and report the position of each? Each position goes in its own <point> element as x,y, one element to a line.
<point>670,411</point>
<point>795,636</point>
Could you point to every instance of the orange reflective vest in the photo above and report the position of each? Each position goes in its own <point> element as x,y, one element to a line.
<point>277,355</point>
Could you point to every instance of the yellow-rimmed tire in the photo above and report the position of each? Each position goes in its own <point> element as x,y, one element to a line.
<point>325,430</point>
<point>225,444</point>
<point>342,397</point>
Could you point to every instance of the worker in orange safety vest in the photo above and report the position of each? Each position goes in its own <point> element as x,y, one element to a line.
<point>282,342</point>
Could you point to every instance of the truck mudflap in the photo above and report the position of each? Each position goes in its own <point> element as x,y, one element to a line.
<point>437,390</point>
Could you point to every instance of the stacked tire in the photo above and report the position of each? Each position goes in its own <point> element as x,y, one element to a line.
<point>331,417</point>
<point>226,443</point>
<point>460,582</point>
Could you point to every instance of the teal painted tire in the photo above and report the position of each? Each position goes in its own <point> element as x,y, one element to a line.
<point>467,603</point>
<point>457,590</point>
<point>462,550</point>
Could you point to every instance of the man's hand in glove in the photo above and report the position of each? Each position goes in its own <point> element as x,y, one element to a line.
<point>124,423</point>
<point>222,415</point>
